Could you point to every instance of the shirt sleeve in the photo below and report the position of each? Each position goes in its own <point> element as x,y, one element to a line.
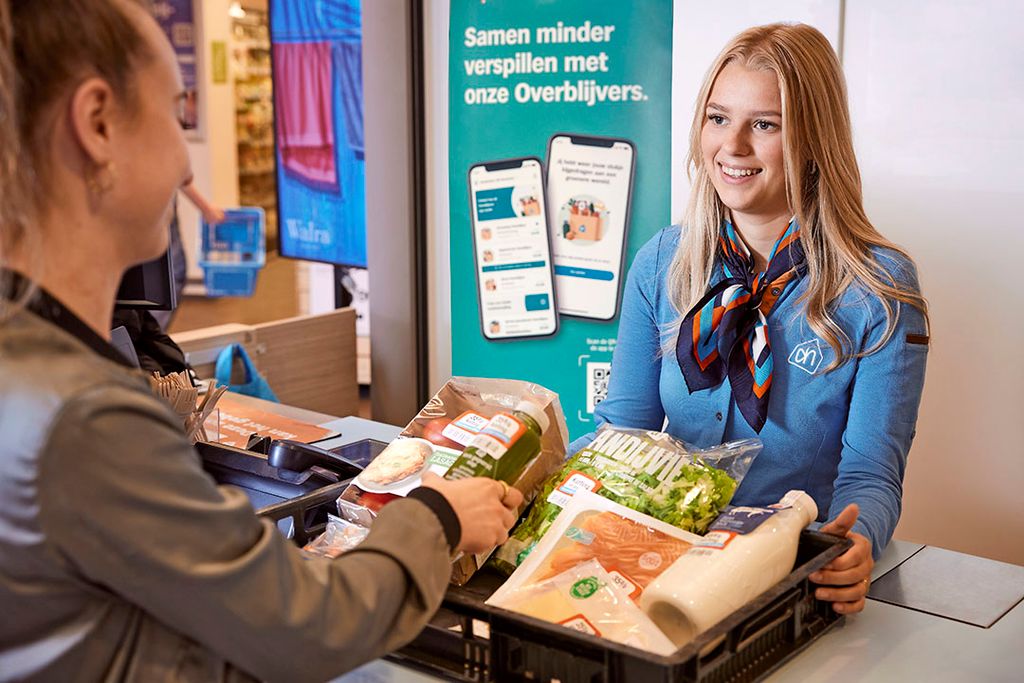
<point>634,399</point>
<point>881,425</point>
<point>126,504</point>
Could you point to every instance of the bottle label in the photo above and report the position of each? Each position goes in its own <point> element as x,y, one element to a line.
<point>712,542</point>
<point>742,520</point>
<point>575,481</point>
<point>497,437</point>
<point>462,429</point>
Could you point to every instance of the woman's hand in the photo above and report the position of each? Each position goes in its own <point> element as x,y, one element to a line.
<point>486,509</point>
<point>845,580</point>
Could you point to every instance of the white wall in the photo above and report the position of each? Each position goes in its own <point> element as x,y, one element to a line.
<point>439,313</point>
<point>214,156</point>
<point>937,98</point>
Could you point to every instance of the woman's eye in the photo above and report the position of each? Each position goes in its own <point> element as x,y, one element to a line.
<point>765,125</point>
<point>716,119</point>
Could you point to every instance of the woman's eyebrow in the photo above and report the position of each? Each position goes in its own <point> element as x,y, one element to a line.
<point>725,110</point>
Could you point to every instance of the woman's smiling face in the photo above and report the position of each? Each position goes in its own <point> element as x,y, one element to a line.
<point>741,141</point>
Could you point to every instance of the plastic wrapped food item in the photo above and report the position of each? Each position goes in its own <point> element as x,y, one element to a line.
<point>339,537</point>
<point>586,599</point>
<point>632,547</point>
<point>458,414</point>
<point>647,471</point>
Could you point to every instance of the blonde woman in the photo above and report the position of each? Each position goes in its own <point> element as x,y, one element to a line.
<point>777,310</point>
<point>120,559</point>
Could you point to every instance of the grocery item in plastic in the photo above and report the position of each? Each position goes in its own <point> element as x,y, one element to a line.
<point>586,599</point>
<point>747,551</point>
<point>647,471</point>
<point>454,416</point>
<point>631,546</point>
<point>339,537</point>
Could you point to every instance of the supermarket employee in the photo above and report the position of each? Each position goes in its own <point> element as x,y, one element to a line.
<point>777,310</point>
<point>120,559</point>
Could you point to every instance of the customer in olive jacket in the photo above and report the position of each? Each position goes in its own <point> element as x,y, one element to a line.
<point>120,559</point>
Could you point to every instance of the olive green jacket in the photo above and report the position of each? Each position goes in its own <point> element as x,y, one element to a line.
<point>121,560</point>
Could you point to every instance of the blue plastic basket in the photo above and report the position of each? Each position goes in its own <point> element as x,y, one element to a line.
<point>233,251</point>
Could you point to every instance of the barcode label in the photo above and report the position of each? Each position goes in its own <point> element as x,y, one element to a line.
<point>598,375</point>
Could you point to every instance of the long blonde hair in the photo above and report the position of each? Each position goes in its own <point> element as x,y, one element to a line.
<point>822,185</point>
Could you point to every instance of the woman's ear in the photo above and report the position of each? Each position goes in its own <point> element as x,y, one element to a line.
<point>91,121</point>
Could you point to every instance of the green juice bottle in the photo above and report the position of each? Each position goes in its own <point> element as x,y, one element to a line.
<point>504,447</point>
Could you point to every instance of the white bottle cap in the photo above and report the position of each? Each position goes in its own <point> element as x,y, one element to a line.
<point>536,412</point>
<point>801,502</point>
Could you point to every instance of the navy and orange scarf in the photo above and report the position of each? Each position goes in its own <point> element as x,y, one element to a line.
<point>726,333</point>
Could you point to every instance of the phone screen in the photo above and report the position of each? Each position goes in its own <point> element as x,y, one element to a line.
<point>589,184</point>
<point>513,255</point>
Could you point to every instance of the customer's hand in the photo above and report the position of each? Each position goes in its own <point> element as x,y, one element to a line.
<point>846,579</point>
<point>486,509</point>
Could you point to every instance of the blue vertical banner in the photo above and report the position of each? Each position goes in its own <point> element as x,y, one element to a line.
<point>178,23</point>
<point>318,111</point>
<point>559,166</point>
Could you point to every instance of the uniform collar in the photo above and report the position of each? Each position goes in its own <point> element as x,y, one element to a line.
<point>47,307</point>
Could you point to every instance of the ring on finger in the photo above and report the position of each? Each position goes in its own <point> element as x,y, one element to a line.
<point>504,489</point>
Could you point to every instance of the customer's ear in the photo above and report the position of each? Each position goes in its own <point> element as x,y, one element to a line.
<point>91,120</point>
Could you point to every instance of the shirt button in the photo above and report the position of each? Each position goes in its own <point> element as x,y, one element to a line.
<point>718,416</point>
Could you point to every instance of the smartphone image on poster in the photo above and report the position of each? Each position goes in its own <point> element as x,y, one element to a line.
<point>515,283</point>
<point>590,181</point>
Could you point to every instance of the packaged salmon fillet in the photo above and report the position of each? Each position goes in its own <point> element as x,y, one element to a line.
<point>632,547</point>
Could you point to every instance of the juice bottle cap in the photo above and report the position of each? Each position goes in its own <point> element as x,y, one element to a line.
<point>534,411</point>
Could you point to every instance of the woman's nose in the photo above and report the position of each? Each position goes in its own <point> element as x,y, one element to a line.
<point>737,141</point>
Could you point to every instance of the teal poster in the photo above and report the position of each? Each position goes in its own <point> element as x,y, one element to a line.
<point>560,126</point>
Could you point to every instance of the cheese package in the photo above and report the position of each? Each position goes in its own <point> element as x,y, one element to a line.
<point>586,599</point>
<point>632,547</point>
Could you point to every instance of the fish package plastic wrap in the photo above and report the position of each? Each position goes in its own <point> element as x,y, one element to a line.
<point>632,547</point>
<point>647,471</point>
<point>586,599</point>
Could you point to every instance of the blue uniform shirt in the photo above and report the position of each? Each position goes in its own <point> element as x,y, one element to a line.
<point>841,436</point>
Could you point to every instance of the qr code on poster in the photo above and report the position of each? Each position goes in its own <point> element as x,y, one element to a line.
<point>598,375</point>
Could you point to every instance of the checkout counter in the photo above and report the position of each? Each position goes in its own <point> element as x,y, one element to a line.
<point>932,614</point>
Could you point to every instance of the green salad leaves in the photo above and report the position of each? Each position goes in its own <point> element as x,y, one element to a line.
<point>650,472</point>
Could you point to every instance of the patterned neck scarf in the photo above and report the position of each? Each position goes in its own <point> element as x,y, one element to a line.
<point>726,333</point>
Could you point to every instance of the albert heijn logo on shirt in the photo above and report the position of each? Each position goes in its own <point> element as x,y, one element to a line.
<point>807,356</point>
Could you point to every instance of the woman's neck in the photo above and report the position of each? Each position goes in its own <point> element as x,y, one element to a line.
<point>760,233</point>
<point>68,269</point>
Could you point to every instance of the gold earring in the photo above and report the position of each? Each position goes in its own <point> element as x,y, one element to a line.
<point>101,180</point>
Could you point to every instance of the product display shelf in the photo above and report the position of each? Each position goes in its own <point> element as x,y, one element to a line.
<point>254,115</point>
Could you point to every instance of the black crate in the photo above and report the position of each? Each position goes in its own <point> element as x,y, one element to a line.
<point>746,646</point>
